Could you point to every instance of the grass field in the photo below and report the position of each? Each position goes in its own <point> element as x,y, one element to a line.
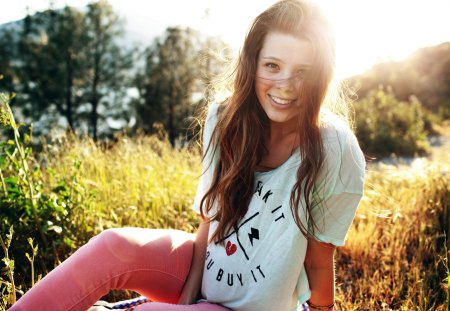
<point>395,258</point>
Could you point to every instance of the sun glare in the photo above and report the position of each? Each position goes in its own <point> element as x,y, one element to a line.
<point>367,31</point>
<point>373,31</point>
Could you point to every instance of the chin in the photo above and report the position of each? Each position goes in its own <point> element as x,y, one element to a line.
<point>280,118</point>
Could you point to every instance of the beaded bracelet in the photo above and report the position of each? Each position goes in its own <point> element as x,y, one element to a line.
<point>330,307</point>
<point>127,305</point>
<point>131,303</point>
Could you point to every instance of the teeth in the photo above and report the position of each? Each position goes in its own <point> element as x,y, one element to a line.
<point>281,101</point>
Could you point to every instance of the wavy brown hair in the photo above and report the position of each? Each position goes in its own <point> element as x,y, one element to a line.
<point>239,134</point>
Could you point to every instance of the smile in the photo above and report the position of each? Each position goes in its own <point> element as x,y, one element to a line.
<point>281,101</point>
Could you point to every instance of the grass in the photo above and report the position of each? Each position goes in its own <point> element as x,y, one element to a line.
<point>395,258</point>
<point>138,182</point>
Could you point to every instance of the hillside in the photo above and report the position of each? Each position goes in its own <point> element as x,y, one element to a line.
<point>425,74</point>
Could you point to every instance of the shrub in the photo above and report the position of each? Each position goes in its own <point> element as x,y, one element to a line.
<point>386,126</point>
<point>46,213</point>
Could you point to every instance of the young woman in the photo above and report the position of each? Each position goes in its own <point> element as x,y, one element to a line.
<point>281,183</point>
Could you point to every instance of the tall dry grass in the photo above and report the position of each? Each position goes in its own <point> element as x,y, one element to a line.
<point>138,182</point>
<point>396,255</point>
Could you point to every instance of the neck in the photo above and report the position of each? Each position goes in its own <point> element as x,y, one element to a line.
<point>280,131</point>
<point>282,140</point>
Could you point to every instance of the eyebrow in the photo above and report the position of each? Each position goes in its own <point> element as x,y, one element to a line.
<point>279,60</point>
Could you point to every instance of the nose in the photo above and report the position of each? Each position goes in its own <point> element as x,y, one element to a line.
<point>287,85</point>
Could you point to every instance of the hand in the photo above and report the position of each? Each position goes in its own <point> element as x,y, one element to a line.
<point>192,285</point>
<point>187,298</point>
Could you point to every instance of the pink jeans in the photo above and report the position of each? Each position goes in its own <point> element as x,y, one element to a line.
<point>154,263</point>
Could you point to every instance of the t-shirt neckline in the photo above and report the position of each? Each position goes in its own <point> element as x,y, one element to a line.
<point>279,167</point>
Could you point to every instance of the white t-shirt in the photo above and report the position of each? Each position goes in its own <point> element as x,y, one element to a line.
<point>261,267</point>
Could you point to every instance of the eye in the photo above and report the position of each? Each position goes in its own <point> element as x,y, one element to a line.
<point>272,66</point>
<point>301,73</point>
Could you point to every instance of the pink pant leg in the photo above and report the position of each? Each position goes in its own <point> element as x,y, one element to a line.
<point>156,306</point>
<point>154,263</point>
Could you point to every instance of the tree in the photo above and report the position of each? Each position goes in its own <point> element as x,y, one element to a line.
<point>107,65</point>
<point>179,66</point>
<point>29,62</point>
<point>7,55</point>
<point>168,82</point>
<point>65,49</point>
<point>71,66</point>
<point>50,68</point>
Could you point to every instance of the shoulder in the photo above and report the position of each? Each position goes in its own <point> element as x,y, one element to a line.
<point>210,123</point>
<point>333,128</point>
<point>212,109</point>
<point>342,152</point>
<point>336,133</point>
<point>211,116</point>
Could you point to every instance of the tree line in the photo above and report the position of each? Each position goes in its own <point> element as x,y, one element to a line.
<point>399,102</point>
<point>69,69</point>
<point>425,74</point>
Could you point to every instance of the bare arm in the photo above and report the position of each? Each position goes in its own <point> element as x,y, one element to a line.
<point>319,265</point>
<point>193,282</point>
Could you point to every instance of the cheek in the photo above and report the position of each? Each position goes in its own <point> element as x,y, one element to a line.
<point>259,89</point>
<point>262,87</point>
<point>261,94</point>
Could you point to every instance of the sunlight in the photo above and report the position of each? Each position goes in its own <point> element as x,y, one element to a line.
<point>367,31</point>
<point>372,31</point>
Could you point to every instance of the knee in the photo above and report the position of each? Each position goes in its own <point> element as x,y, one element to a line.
<point>113,235</point>
<point>119,243</point>
<point>126,244</point>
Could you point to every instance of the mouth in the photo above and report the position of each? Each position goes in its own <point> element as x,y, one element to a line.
<point>281,101</point>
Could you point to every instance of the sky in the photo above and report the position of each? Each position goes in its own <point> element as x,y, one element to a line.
<point>367,31</point>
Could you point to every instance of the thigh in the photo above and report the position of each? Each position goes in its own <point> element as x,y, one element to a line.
<point>157,261</point>
<point>154,263</point>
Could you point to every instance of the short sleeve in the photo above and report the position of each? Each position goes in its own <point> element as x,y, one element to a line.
<point>209,159</point>
<point>341,187</point>
<point>336,216</point>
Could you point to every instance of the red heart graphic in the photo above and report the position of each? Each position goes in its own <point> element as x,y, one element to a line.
<point>230,248</point>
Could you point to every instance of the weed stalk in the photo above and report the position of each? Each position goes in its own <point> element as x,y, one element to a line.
<point>9,264</point>
<point>12,123</point>
<point>31,258</point>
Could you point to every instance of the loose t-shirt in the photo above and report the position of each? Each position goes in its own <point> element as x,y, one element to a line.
<point>260,264</point>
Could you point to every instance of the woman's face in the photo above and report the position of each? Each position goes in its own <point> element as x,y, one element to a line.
<point>282,64</point>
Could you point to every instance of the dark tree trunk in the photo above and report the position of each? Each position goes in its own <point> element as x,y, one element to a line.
<point>94,98</point>
<point>170,123</point>
<point>69,86</point>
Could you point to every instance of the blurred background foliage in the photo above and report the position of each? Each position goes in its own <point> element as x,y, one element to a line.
<point>73,70</point>
<point>386,125</point>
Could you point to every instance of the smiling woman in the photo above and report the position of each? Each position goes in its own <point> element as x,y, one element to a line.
<point>282,179</point>
<point>281,183</point>
<point>282,65</point>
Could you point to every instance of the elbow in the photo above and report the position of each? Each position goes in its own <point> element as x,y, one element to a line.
<point>319,258</point>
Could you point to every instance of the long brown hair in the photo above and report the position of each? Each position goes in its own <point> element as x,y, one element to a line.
<point>239,133</point>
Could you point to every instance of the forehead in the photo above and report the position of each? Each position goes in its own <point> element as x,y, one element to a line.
<point>287,48</point>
